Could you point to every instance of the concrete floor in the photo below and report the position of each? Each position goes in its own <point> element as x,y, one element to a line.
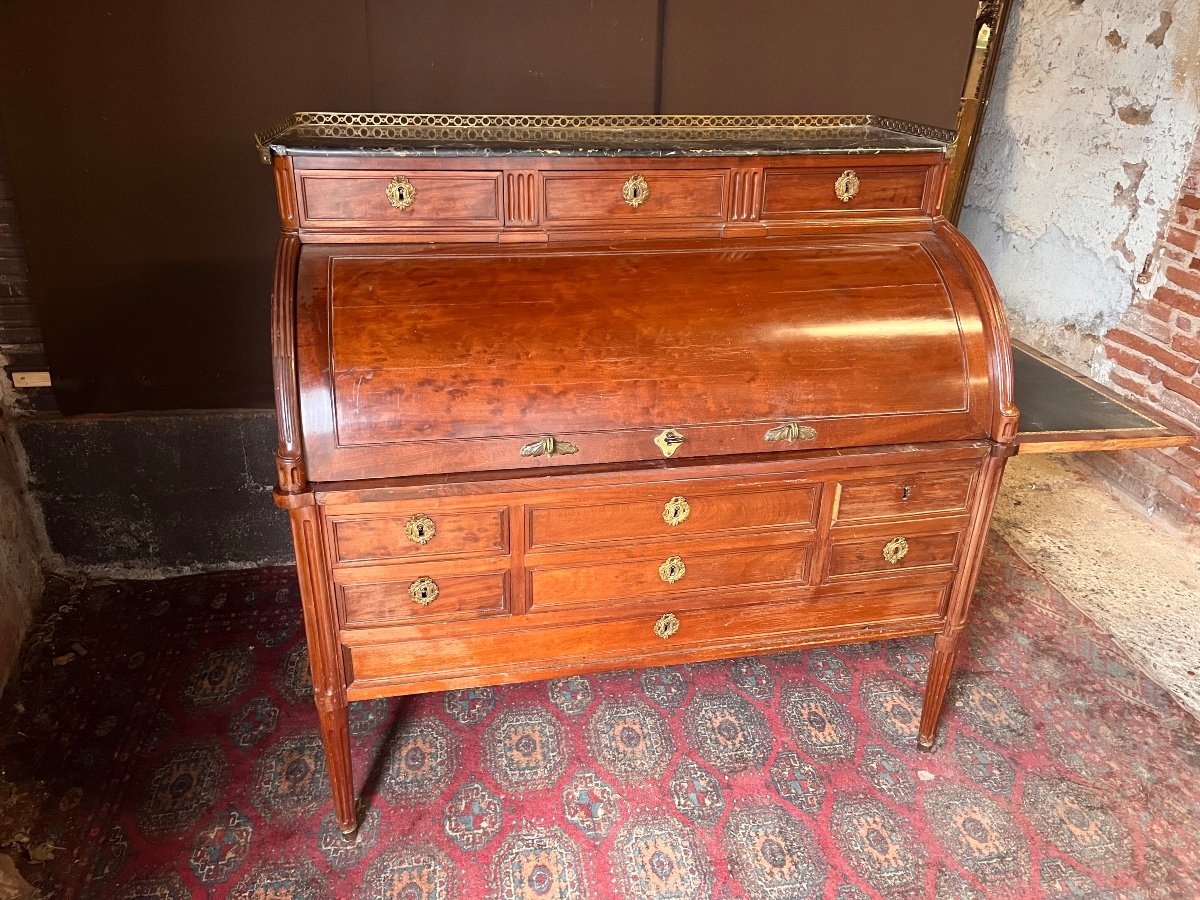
<point>1137,580</point>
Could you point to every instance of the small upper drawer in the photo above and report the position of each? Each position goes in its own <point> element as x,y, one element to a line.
<point>927,493</point>
<point>790,194</point>
<point>670,511</point>
<point>417,532</point>
<point>433,595</point>
<point>335,199</point>
<point>892,553</point>
<point>638,194</point>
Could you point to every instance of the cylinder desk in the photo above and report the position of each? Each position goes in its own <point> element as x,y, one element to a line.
<point>562,395</point>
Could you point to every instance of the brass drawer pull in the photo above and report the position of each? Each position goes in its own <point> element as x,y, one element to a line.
<point>895,550</point>
<point>668,441</point>
<point>400,192</point>
<point>423,591</point>
<point>791,431</point>
<point>420,529</point>
<point>847,185</point>
<point>635,191</point>
<point>666,626</point>
<point>549,446</point>
<point>677,510</point>
<point>672,569</point>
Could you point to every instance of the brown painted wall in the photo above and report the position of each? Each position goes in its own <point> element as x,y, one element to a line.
<point>149,224</point>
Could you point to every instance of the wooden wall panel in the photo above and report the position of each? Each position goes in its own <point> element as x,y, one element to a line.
<point>907,60</point>
<point>514,56</point>
<point>149,222</point>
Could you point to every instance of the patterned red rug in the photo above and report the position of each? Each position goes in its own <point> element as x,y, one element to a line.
<point>179,758</point>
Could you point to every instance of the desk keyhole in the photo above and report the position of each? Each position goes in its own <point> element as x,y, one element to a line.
<point>906,493</point>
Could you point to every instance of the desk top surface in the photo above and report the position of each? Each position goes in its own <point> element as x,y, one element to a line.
<point>380,134</point>
<point>1064,412</point>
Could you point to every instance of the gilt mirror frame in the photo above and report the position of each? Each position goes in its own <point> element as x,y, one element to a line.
<point>990,22</point>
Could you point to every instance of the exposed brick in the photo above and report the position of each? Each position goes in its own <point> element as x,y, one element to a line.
<point>1179,300</point>
<point>1191,201</point>
<point>1159,310</point>
<point>1190,347</point>
<point>1183,323</point>
<point>1163,355</point>
<point>1183,239</point>
<point>1182,386</point>
<point>1137,322</point>
<point>1130,362</point>
<point>1189,281</point>
<point>1136,388</point>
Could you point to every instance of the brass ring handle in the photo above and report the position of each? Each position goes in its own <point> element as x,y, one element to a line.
<point>423,591</point>
<point>635,191</point>
<point>791,431</point>
<point>672,569</point>
<point>420,529</point>
<point>549,446</point>
<point>895,550</point>
<point>847,185</point>
<point>676,510</point>
<point>666,626</point>
<point>400,192</point>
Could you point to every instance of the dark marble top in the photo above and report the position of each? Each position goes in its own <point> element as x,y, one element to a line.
<point>374,134</point>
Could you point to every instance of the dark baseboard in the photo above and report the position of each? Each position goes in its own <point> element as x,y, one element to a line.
<point>158,493</point>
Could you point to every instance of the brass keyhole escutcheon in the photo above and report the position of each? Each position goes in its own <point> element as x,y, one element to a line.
<point>635,191</point>
<point>666,626</point>
<point>895,550</point>
<point>400,192</point>
<point>672,569</point>
<point>423,591</point>
<point>847,185</point>
<point>420,529</point>
<point>677,510</point>
<point>668,441</point>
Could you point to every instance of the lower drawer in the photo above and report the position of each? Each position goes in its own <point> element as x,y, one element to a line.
<point>381,597</point>
<point>504,653</point>
<point>892,553</point>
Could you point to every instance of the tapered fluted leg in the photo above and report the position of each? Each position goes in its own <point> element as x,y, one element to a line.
<point>324,657</point>
<point>941,664</point>
<point>945,646</point>
<point>335,734</point>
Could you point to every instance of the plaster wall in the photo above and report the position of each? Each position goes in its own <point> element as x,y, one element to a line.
<point>22,546</point>
<point>1085,143</point>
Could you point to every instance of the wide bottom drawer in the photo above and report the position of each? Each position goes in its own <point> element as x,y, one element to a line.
<point>503,654</point>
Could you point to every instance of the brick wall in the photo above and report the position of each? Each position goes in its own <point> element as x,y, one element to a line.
<point>1155,356</point>
<point>20,337</point>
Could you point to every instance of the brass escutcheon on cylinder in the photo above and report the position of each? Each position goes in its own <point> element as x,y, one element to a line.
<point>677,510</point>
<point>423,591</point>
<point>549,446</point>
<point>895,550</point>
<point>672,569</point>
<point>666,626</point>
<point>400,192</point>
<point>420,529</point>
<point>847,185</point>
<point>635,191</point>
<point>791,431</point>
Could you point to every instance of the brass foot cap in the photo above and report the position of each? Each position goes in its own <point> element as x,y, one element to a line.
<point>924,747</point>
<point>350,833</point>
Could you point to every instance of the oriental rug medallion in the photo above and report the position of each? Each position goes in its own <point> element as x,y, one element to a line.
<point>178,757</point>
